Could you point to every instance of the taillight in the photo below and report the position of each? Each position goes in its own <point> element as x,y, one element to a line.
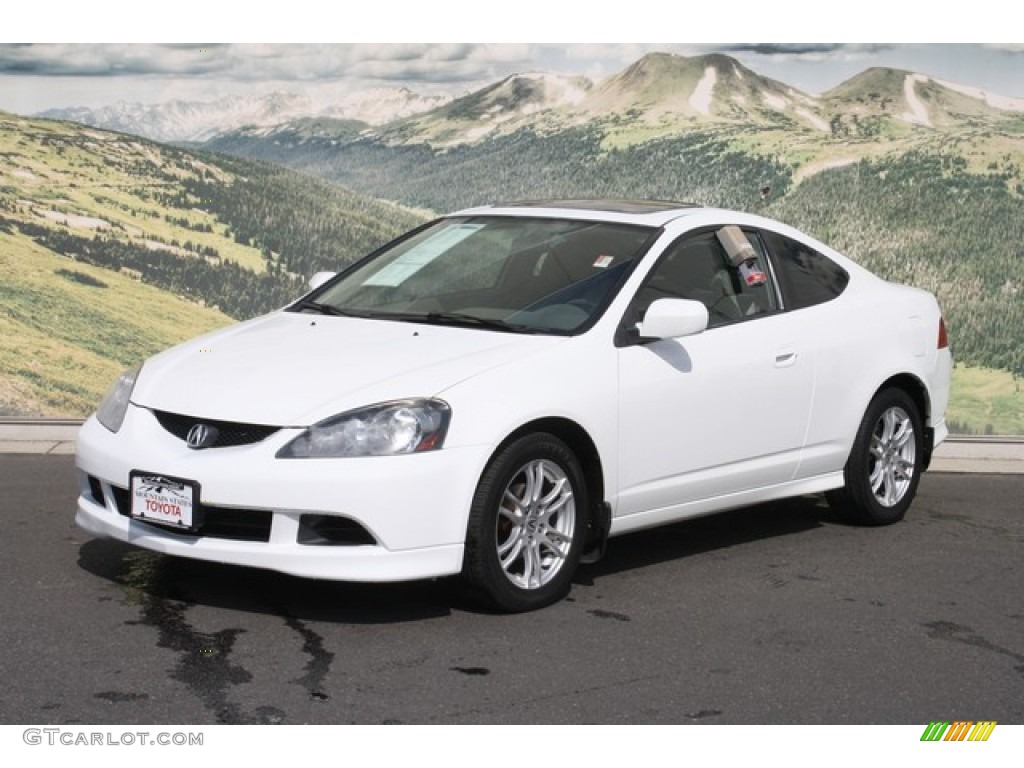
<point>943,339</point>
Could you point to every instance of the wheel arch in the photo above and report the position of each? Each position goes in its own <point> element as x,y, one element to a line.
<point>582,445</point>
<point>918,392</point>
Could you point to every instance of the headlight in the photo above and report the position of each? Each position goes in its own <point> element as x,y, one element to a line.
<point>386,429</point>
<point>115,403</point>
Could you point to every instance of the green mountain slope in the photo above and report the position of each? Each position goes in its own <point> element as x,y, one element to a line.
<point>67,328</point>
<point>672,90</point>
<point>896,96</point>
<point>921,180</point>
<point>113,247</point>
<point>704,167</point>
<point>922,218</point>
<point>496,110</point>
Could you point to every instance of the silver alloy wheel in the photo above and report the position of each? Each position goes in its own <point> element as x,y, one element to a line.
<point>536,519</point>
<point>893,456</point>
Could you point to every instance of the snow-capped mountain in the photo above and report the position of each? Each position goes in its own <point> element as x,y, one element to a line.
<point>914,99</point>
<point>377,106</point>
<point>661,94</point>
<point>662,86</point>
<point>508,104</point>
<point>188,120</point>
<point>199,121</point>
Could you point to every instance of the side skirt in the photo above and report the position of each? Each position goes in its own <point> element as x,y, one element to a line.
<point>677,512</point>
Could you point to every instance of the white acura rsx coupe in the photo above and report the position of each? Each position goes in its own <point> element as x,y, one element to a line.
<point>500,391</point>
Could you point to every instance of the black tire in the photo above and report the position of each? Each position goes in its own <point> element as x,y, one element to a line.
<point>885,464</point>
<point>522,551</point>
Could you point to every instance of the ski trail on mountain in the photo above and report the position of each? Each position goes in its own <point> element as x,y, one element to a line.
<point>700,100</point>
<point>918,112</point>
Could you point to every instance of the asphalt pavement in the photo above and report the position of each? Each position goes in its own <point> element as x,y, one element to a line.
<point>778,613</point>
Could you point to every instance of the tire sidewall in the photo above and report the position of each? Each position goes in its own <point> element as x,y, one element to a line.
<point>482,566</point>
<point>865,506</point>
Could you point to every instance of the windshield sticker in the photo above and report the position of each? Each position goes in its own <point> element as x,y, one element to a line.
<point>417,257</point>
<point>601,262</point>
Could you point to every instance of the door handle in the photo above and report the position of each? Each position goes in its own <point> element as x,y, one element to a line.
<point>785,358</point>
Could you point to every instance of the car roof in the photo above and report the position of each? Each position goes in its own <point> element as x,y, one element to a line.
<point>654,213</point>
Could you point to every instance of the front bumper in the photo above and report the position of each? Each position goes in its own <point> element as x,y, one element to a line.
<point>411,511</point>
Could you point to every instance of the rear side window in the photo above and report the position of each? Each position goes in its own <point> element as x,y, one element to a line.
<point>806,277</point>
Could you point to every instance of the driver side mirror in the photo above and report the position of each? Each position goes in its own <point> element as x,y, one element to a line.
<point>319,279</point>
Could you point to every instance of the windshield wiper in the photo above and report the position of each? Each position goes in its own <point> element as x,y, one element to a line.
<point>324,309</point>
<point>455,318</point>
<point>429,318</point>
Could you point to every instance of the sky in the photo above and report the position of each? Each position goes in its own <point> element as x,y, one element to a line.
<point>85,70</point>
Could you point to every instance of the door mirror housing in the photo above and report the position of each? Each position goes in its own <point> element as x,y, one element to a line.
<point>319,279</point>
<point>672,319</point>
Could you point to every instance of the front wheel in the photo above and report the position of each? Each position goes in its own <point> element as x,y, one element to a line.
<point>526,524</point>
<point>885,463</point>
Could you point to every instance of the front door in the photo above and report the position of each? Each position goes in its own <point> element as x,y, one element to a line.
<point>718,412</point>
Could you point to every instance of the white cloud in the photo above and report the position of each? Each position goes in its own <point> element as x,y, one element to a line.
<point>261,62</point>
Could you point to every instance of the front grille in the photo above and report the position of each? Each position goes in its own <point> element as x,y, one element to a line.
<point>217,522</point>
<point>229,433</point>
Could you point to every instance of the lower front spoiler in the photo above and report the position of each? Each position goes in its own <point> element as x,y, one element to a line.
<point>341,563</point>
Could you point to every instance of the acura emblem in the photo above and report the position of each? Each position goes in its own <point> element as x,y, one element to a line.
<point>201,436</point>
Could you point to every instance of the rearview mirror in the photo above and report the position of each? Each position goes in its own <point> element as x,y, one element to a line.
<point>673,318</point>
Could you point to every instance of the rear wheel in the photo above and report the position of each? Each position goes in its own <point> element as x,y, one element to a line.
<point>526,524</point>
<point>885,463</point>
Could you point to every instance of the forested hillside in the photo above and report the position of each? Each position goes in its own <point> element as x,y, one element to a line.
<point>231,233</point>
<point>113,247</point>
<point>944,215</point>
<point>919,179</point>
<point>698,166</point>
<point>921,218</point>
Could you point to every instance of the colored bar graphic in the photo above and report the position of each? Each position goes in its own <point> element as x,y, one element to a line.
<point>982,730</point>
<point>959,730</point>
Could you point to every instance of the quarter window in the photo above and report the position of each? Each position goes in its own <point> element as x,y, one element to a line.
<point>807,277</point>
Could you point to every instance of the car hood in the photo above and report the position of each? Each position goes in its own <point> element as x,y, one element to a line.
<point>290,369</point>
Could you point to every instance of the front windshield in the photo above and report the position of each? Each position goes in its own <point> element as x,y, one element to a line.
<point>511,273</point>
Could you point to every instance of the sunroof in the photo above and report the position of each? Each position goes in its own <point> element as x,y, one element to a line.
<point>608,206</point>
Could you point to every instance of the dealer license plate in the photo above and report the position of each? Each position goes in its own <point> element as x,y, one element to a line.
<point>164,500</point>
